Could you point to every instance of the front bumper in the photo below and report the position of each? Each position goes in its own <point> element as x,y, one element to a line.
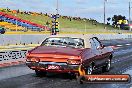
<point>63,67</point>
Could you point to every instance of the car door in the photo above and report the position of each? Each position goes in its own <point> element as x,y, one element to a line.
<point>100,58</point>
<point>104,51</point>
<point>97,54</point>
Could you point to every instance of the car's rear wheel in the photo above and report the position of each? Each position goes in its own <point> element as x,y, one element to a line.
<point>107,67</point>
<point>86,70</point>
<point>81,79</point>
<point>40,73</point>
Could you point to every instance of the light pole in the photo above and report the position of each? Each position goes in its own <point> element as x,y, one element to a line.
<point>85,25</point>
<point>16,22</point>
<point>57,6</point>
<point>129,15</point>
<point>104,12</point>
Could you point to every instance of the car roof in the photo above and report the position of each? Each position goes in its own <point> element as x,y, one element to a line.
<point>86,38</point>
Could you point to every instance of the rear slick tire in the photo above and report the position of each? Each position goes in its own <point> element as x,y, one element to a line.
<point>40,73</point>
<point>81,79</point>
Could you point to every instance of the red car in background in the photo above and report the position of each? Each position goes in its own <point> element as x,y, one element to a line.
<point>62,54</point>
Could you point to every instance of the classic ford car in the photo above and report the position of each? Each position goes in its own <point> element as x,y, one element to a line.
<point>80,54</point>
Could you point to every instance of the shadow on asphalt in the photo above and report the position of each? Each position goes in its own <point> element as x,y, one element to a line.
<point>69,76</point>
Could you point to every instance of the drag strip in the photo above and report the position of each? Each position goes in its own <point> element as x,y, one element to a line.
<point>21,76</point>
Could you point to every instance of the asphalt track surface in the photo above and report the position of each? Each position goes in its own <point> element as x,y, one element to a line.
<point>21,76</point>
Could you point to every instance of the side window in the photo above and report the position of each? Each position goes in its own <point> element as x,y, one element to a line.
<point>97,43</point>
<point>93,46</point>
<point>79,41</point>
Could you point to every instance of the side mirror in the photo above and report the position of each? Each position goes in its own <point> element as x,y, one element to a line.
<point>103,46</point>
<point>100,47</point>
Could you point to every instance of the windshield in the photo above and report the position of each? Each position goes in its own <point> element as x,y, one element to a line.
<point>64,42</point>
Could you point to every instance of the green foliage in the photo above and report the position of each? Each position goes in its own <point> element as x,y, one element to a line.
<point>65,24</point>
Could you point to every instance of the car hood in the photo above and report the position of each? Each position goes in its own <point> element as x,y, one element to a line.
<point>57,50</point>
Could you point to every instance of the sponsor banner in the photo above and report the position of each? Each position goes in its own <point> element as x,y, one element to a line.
<point>125,78</point>
<point>12,55</point>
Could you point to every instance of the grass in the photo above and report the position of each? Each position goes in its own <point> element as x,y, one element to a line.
<point>74,26</point>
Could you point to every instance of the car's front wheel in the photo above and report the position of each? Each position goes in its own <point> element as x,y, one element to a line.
<point>107,67</point>
<point>40,73</point>
<point>89,70</point>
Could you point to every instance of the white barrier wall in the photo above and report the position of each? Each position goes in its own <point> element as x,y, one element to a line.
<point>21,39</point>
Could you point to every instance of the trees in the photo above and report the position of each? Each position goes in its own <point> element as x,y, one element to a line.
<point>108,19</point>
<point>117,21</point>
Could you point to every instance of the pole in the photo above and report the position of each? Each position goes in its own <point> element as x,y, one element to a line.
<point>16,22</point>
<point>85,26</point>
<point>57,6</point>
<point>104,12</point>
<point>16,25</point>
<point>57,14</point>
<point>129,15</point>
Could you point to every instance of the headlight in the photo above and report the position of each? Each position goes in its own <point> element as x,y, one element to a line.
<point>73,61</point>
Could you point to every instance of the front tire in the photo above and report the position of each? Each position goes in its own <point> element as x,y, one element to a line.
<point>89,70</point>
<point>107,67</point>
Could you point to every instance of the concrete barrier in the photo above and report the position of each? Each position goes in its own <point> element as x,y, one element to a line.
<point>21,39</point>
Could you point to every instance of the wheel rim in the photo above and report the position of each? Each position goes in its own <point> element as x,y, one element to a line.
<point>109,64</point>
<point>89,70</point>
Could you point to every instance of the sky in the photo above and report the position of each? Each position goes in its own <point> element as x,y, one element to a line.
<point>81,8</point>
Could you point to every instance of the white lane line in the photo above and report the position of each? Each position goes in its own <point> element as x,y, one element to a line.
<point>128,44</point>
<point>119,45</point>
<point>128,71</point>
